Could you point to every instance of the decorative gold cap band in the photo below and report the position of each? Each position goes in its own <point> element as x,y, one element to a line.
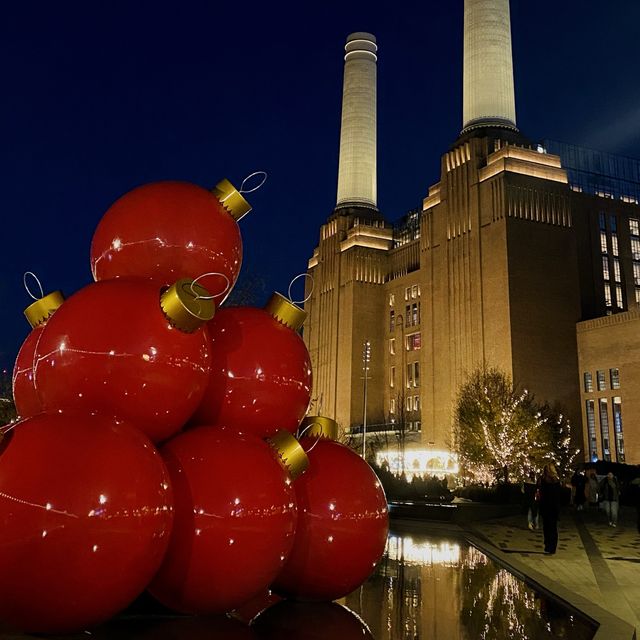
<point>231,199</point>
<point>318,427</point>
<point>285,311</point>
<point>291,455</point>
<point>41,310</point>
<point>187,305</point>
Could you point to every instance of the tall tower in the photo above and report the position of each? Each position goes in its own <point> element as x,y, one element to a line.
<point>357,165</point>
<point>488,93</point>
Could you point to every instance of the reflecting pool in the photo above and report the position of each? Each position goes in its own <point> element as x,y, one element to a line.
<point>430,587</point>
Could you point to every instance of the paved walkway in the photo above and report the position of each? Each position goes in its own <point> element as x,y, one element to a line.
<point>598,562</point>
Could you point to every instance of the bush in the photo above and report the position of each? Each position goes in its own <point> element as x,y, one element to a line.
<point>399,488</point>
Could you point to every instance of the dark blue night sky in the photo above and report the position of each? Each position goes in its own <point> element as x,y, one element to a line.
<point>98,97</point>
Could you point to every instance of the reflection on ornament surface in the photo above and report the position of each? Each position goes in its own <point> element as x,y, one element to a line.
<point>166,231</point>
<point>260,374</point>
<point>85,514</point>
<point>110,349</point>
<point>25,395</point>
<point>235,517</point>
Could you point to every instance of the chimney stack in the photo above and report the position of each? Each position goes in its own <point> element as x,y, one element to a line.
<point>488,94</point>
<point>357,184</point>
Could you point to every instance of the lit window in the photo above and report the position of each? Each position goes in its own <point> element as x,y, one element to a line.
<point>416,374</point>
<point>617,428</point>
<point>591,428</point>
<point>407,316</point>
<point>634,227</point>
<point>392,346</point>
<point>638,295</point>
<point>414,291</point>
<point>616,270</point>
<point>392,377</point>
<point>392,405</point>
<point>418,425</point>
<point>392,299</point>
<point>636,273</point>
<point>614,375</point>
<point>407,293</point>
<point>603,242</point>
<point>601,380</point>
<point>588,382</point>
<point>416,403</point>
<point>392,319</point>
<point>414,342</point>
<point>604,428</point>
<point>605,267</point>
<point>619,296</point>
<point>607,294</point>
<point>409,375</point>
<point>415,313</point>
<point>409,403</point>
<point>635,248</point>
<point>614,244</point>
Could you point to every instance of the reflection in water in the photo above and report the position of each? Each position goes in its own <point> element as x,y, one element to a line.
<point>430,588</point>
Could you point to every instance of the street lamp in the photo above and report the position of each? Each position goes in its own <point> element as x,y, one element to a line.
<point>366,358</point>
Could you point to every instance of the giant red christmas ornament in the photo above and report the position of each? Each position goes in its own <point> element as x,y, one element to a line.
<point>171,230</point>
<point>25,396</point>
<point>120,348</point>
<point>85,515</point>
<point>260,370</point>
<point>343,520</point>
<point>235,516</point>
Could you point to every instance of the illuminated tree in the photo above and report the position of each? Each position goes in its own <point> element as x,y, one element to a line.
<point>7,408</point>
<point>500,432</point>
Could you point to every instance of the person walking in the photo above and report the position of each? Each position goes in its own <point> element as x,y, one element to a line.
<point>578,484</point>
<point>550,495</point>
<point>609,491</point>
<point>529,491</point>
<point>592,488</point>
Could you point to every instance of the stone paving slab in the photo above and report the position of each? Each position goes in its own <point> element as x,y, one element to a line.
<point>593,560</point>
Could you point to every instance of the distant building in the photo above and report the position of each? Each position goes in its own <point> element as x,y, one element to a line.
<point>515,246</point>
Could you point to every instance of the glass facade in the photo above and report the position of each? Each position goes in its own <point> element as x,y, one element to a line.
<point>604,429</point>
<point>617,427</point>
<point>591,427</point>
<point>597,172</point>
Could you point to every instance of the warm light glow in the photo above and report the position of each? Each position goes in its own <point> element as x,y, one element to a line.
<point>405,550</point>
<point>419,462</point>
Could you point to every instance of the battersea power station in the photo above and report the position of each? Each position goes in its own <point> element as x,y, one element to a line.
<point>525,256</point>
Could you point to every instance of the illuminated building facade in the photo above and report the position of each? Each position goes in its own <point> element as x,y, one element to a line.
<point>514,246</point>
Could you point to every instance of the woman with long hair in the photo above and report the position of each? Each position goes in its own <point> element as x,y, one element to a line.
<point>550,494</point>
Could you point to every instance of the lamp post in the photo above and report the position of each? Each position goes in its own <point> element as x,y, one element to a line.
<point>366,358</point>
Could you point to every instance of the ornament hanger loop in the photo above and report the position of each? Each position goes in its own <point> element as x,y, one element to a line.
<point>251,175</point>
<point>217,295</point>
<point>311,448</point>
<point>26,286</point>
<point>302,275</point>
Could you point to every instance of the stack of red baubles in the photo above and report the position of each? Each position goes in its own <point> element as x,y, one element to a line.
<point>155,447</point>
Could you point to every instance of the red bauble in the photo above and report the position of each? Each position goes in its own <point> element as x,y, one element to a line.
<point>235,517</point>
<point>85,515</point>
<point>260,374</point>
<point>25,396</point>
<point>166,231</point>
<point>110,349</point>
<point>342,528</point>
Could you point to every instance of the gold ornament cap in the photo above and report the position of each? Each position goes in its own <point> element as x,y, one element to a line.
<point>187,305</point>
<point>42,309</point>
<point>318,427</point>
<point>291,455</point>
<point>285,311</point>
<point>231,199</point>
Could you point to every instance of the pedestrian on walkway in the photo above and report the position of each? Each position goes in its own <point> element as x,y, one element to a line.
<point>609,491</point>
<point>592,488</point>
<point>530,494</point>
<point>578,485</point>
<point>550,495</point>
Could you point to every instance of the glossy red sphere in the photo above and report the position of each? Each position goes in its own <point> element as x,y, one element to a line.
<point>85,515</point>
<point>235,516</point>
<point>342,528</point>
<point>110,349</point>
<point>166,231</point>
<point>25,396</point>
<point>260,374</point>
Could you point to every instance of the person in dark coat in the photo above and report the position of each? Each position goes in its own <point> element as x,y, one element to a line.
<point>610,496</point>
<point>579,482</point>
<point>550,496</point>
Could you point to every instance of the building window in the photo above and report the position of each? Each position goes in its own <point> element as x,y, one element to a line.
<point>588,382</point>
<point>416,403</point>
<point>619,301</point>
<point>416,374</point>
<point>613,223</point>
<point>414,341</point>
<point>409,375</point>
<point>614,375</point>
<point>407,316</point>
<point>407,293</point>
<point>392,377</point>
<point>602,221</point>
<point>603,242</point>
<point>638,295</point>
<point>415,313</point>
<point>616,270</point>
<point>607,295</point>
<point>415,291</point>
<point>392,299</point>
<point>635,248</point>
<point>605,267</point>
<point>409,403</point>
<point>604,428</point>
<point>392,405</point>
<point>634,227</point>
<point>591,428</point>
<point>636,273</point>
<point>392,319</point>
<point>601,380</point>
<point>392,346</point>
<point>617,428</point>
<point>418,425</point>
<point>614,244</point>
